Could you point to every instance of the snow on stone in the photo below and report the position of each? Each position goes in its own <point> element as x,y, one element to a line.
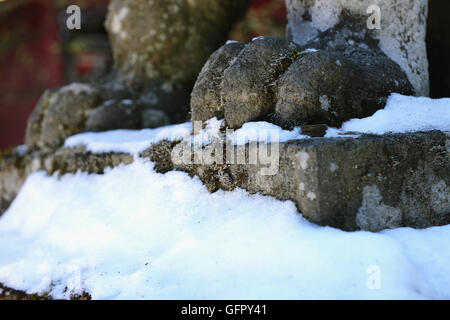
<point>133,234</point>
<point>262,131</point>
<point>77,88</point>
<point>128,141</point>
<point>259,131</point>
<point>309,50</point>
<point>258,38</point>
<point>401,114</point>
<point>405,114</point>
<point>127,101</point>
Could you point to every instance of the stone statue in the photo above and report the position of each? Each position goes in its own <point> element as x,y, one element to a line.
<point>159,47</point>
<point>331,67</point>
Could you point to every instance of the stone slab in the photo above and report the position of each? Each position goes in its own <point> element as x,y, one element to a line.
<point>367,183</point>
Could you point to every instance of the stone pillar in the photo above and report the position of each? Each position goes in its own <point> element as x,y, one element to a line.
<point>401,36</point>
<point>168,40</point>
<point>159,47</point>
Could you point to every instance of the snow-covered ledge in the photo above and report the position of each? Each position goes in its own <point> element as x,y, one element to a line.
<point>110,224</point>
<point>389,172</point>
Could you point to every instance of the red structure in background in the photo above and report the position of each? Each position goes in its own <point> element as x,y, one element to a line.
<point>30,62</point>
<point>31,57</point>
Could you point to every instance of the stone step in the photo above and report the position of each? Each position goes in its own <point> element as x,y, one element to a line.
<point>366,183</point>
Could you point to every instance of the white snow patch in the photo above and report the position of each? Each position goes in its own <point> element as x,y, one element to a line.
<point>134,234</point>
<point>21,150</point>
<point>77,88</point>
<point>258,38</point>
<point>310,50</point>
<point>128,141</point>
<point>266,132</point>
<point>127,101</point>
<point>401,114</point>
<point>405,114</point>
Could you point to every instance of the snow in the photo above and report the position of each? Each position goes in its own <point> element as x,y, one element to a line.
<point>133,234</point>
<point>259,131</point>
<point>405,114</point>
<point>258,38</point>
<point>127,141</point>
<point>401,114</point>
<point>310,50</point>
<point>262,131</point>
<point>77,88</point>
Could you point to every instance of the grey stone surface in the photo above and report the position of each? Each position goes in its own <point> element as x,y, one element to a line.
<point>331,87</point>
<point>59,114</point>
<point>206,98</point>
<point>247,87</point>
<point>34,124</point>
<point>274,79</point>
<point>168,40</point>
<point>159,46</point>
<point>15,167</point>
<point>112,115</point>
<point>370,183</point>
<point>154,118</point>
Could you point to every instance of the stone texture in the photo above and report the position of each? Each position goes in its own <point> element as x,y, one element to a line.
<point>247,87</point>
<point>369,183</point>
<point>275,80</point>
<point>59,114</point>
<point>401,37</point>
<point>159,46</point>
<point>112,115</point>
<point>7,293</point>
<point>238,82</point>
<point>168,40</point>
<point>330,87</point>
<point>15,167</point>
<point>205,98</point>
<point>154,118</point>
<point>34,124</point>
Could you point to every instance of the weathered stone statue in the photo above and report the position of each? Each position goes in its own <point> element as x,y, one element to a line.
<point>159,48</point>
<point>334,66</point>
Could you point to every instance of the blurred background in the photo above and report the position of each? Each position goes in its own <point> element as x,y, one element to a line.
<point>37,51</point>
